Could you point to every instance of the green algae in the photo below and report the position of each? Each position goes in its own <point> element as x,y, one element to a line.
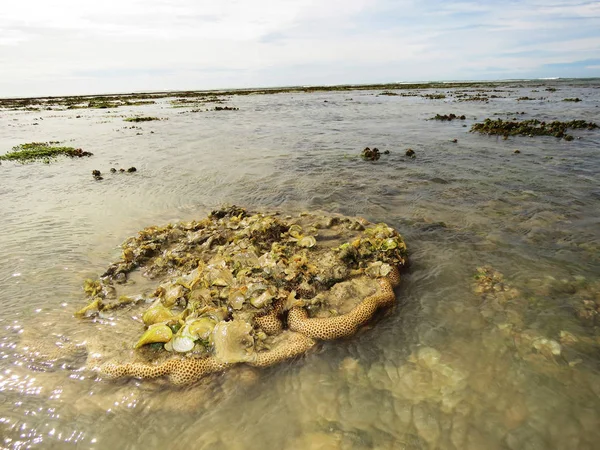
<point>41,151</point>
<point>576,99</point>
<point>531,127</point>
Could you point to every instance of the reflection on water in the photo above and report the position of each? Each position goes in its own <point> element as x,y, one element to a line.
<point>494,342</point>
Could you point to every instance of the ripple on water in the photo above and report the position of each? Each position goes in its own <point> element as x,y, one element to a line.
<point>511,365</point>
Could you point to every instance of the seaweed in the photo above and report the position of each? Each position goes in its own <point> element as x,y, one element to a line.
<point>434,96</point>
<point>141,119</point>
<point>448,117</point>
<point>531,127</point>
<point>45,151</point>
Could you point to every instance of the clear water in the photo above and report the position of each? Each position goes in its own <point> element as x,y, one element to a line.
<point>448,368</point>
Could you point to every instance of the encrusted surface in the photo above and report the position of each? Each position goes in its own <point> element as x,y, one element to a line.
<point>241,288</point>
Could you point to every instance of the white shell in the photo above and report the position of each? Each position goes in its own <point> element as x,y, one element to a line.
<point>182,344</point>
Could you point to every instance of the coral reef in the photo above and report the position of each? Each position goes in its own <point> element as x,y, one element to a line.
<point>241,288</point>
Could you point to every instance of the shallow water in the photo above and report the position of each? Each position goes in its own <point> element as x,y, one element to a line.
<point>516,366</point>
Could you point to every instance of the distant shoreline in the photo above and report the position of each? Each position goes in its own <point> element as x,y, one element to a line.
<point>301,89</point>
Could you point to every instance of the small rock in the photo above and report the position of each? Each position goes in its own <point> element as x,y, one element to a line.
<point>454,140</point>
<point>113,170</point>
<point>97,175</point>
<point>386,152</point>
<point>517,151</point>
<point>410,152</point>
<point>370,155</point>
<point>132,169</point>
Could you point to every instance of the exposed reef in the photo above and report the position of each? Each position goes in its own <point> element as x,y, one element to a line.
<point>434,96</point>
<point>531,127</point>
<point>42,151</point>
<point>448,117</point>
<point>141,119</point>
<point>188,98</point>
<point>244,288</point>
<point>370,154</point>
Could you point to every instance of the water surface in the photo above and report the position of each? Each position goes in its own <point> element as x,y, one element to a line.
<point>512,364</point>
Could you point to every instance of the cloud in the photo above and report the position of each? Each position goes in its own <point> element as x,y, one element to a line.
<point>68,46</point>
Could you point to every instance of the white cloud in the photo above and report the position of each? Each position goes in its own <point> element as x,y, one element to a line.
<point>67,46</point>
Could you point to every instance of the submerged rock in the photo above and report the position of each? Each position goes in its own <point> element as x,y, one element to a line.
<point>370,154</point>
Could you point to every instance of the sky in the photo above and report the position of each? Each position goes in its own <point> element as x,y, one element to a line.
<point>66,47</point>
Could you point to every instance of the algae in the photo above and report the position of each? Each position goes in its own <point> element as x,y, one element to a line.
<point>434,96</point>
<point>117,100</point>
<point>448,117</point>
<point>531,127</point>
<point>44,151</point>
<point>238,266</point>
<point>141,119</point>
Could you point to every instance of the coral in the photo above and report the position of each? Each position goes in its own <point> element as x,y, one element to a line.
<point>344,325</point>
<point>240,288</point>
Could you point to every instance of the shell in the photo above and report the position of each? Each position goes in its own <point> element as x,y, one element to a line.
<point>295,231</point>
<point>182,344</point>
<point>236,299</point>
<point>155,333</point>
<point>307,241</point>
<point>156,313</point>
<point>201,328</point>
<point>172,294</point>
<point>194,329</point>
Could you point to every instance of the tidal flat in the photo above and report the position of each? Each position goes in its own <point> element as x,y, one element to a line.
<point>494,341</point>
